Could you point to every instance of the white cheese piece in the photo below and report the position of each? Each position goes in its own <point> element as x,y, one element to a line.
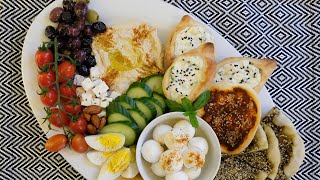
<point>94,73</point>
<point>109,99</point>
<point>100,89</point>
<point>114,95</point>
<point>190,38</point>
<point>97,82</point>
<point>103,112</point>
<point>92,93</point>
<point>104,103</point>
<point>242,72</point>
<point>79,91</point>
<point>87,84</point>
<point>96,101</point>
<point>78,79</point>
<point>86,99</point>
<point>185,74</point>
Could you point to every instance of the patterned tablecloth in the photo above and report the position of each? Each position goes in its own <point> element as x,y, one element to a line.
<point>287,31</point>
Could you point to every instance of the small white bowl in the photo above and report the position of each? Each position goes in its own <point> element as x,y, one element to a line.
<point>213,158</point>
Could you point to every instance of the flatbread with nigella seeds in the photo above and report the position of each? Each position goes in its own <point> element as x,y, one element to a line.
<point>256,165</point>
<point>290,143</point>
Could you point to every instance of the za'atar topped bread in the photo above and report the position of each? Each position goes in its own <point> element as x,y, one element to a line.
<point>244,70</point>
<point>190,74</point>
<point>234,113</point>
<point>188,34</point>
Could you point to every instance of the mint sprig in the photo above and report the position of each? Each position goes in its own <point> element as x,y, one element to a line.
<point>188,107</point>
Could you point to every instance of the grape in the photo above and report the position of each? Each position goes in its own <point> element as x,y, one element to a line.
<point>55,14</point>
<point>67,17</point>
<point>92,16</point>
<point>87,31</point>
<point>73,31</point>
<point>83,70</point>
<point>74,43</point>
<point>50,32</point>
<point>81,9</point>
<point>90,61</point>
<point>80,24</point>
<point>99,27</point>
<point>68,5</point>
<point>87,50</point>
<point>86,41</point>
<point>78,55</point>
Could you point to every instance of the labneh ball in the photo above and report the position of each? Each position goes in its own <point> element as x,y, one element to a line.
<point>158,170</point>
<point>171,161</point>
<point>192,173</point>
<point>186,127</point>
<point>180,175</point>
<point>193,158</point>
<point>160,131</point>
<point>151,151</point>
<point>176,139</point>
<point>200,143</point>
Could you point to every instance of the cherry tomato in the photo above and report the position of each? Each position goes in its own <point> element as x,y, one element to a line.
<point>66,70</point>
<point>43,56</point>
<point>79,144</point>
<point>72,106</point>
<point>56,121</point>
<point>50,98</point>
<point>68,90</point>
<point>46,78</point>
<point>80,126</point>
<point>56,143</point>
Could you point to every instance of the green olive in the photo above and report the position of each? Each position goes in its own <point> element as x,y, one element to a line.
<point>85,1</point>
<point>92,16</point>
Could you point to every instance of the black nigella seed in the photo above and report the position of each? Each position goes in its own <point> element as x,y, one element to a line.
<point>236,65</point>
<point>230,78</point>
<point>177,89</point>
<point>193,74</point>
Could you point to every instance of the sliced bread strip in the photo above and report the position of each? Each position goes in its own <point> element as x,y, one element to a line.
<point>187,35</point>
<point>243,70</point>
<point>190,74</point>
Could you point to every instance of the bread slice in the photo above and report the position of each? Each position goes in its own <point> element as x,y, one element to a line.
<point>234,113</point>
<point>178,44</point>
<point>259,142</point>
<point>258,165</point>
<point>244,70</point>
<point>190,74</point>
<point>290,143</point>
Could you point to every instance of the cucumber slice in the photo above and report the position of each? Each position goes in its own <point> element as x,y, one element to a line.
<point>128,129</point>
<point>147,108</point>
<point>160,98</point>
<point>154,82</point>
<point>118,113</point>
<point>139,118</point>
<point>157,105</point>
<point>126,102</point>
<point>139,90</point>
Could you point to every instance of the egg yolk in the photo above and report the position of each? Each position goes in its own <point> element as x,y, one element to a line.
<point>110,140</point>
<point>107,154</point>
<point>119,161</point>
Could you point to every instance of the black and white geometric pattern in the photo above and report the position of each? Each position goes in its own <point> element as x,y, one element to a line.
<point>288,31</point>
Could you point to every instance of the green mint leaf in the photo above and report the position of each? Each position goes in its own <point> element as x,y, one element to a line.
<point>193,118</point>
<point>187,104</point>
<point>174,106</point>
<point>202,100</point>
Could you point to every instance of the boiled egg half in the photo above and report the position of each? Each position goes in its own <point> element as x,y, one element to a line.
<point>106,142</point>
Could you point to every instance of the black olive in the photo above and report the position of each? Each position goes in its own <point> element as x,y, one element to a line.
<point>87,50</point>
<point>68,5</point>
<point>50,32</point>
<point>67,17</point>
<point>83,70</point>
<point>99,27</point>
<point>86,41</point>
<point>90,61</point>
<point>87,31</point>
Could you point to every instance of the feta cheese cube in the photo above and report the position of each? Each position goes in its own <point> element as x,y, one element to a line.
<point>78,79</point>
<point>87,84</point>
<point>86,99</point>
<point>104,95</point>
<point>92,93</point>
<point>104,103</point>
<point>96,101</point>
<point>108,99</point>
<point>103,112</point>
<point>97,82</point>
<point>79,91</point>
<point>94,73</point>
<point>100,89</point>
<point>114,95</point>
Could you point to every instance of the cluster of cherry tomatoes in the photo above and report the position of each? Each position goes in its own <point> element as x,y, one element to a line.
<point>58,93</point>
